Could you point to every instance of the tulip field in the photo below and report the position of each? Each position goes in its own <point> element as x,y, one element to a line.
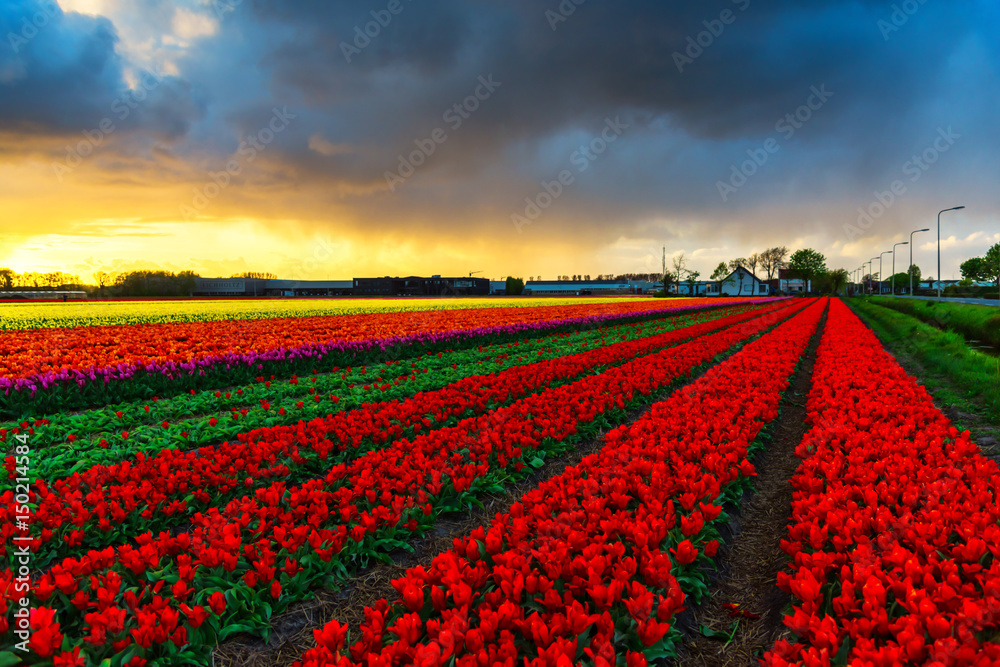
<point>178,481</point>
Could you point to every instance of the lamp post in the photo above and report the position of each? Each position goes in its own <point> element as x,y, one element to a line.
<point>954,208</point>
<point>894,265</point>
<point>911,257</point>
<point>871,266</point>
<point>881,275</point>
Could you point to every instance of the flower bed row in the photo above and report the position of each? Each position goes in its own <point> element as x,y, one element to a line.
<point>894,537</point>
<point>105,504</point>
<point>67,442</point>
<point>259,553</point>
<point>593,565</point>
<point>56,369</point>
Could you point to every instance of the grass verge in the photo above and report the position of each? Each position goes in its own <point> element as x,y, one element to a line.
<point>977,324</point>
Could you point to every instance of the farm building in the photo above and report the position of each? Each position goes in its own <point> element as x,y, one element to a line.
<point>48,295</point>
<point>262,287</point>
<point>578,287</point>
<point>417,286</point>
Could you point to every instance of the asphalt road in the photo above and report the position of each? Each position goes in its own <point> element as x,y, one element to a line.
<point>978,302</point>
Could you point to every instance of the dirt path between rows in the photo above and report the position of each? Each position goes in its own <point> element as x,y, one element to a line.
<point>292,631</point>
<point>751,561</point>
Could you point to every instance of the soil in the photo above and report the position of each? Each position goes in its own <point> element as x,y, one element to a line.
<point>292,630</point>
<point>750,562</point>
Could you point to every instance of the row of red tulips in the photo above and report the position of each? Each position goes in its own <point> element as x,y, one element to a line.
<point>106,504</point>
<point>894,538</point>
<point>593,565</point>
<point>73,440</point>
<point>257,554</point>
<point>53,370</point>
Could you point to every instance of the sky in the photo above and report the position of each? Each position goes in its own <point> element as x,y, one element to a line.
<point>534,138</point>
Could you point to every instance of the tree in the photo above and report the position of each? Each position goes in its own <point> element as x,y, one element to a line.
<point>808,263</point>
<point>985,268</point>
<point>721,275</point>
<point>899,281</point>
<point>7,277</point>
<point>680,267</point>
<point>974,268</point>
<point>692,278</point>
<point>514,286</point>
<point>773,260</point>
<point>913,273</point>
<point>668,280</point>
<point>753,261</point>
<point>992,268</point>
<point>836,280</point>
<point>255,275</point>
<point>735,265</point>
<point>103,279</point>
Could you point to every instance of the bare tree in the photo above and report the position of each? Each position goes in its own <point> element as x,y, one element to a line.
<point>773,260</point>
<point>753,261</point>
<point>103,279</point>
<point>680,267</point>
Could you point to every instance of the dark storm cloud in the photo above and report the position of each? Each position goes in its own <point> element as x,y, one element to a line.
<point>604,59</point>
<point>60,74</point>
<point>361,102</point>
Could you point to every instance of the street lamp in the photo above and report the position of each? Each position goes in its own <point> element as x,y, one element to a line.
<point>911,257</point>
<point>871,266</point>
<point>894,265</point>
<point>881,275</point>
<point>955,208</point>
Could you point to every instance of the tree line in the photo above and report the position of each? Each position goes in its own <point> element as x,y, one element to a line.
<point>139,283</point>
<point>983,269</point>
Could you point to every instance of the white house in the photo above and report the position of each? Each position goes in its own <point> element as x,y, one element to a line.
<point>740,283</point>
